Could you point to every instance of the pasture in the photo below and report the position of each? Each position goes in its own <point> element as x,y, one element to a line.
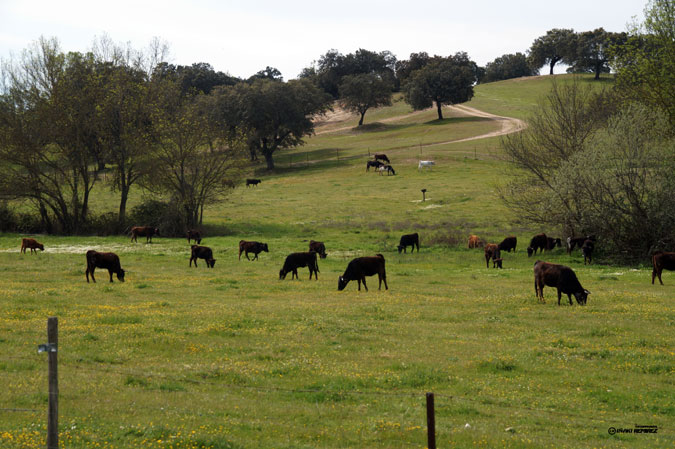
<point>231,357</point>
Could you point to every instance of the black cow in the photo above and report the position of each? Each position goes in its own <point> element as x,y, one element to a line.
<point>560,277</point>
<point>411,240</point>
<point>492,252</point>
<point>587,250</point>
<point>374,164</point>
<point>109,261</point>
<point>252,247</point>
<point>194,235</point>
<point>297,260</point>
<point>552,242</point>
<point>508,244</point>
<point>538,242</point>
<point>252,182</point>
<point>661,261</point>
<point>359,268</point>
<point>202,252</point>
<point>573,242</point>
<point>382,157</point>
<point>318,247</point>
<point>143,231</point>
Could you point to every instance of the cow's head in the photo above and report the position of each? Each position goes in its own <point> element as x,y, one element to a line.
<point>582,297</point>
<point>264,248</point>
<point>400,248</point>
<point>211,262</point>
<point>342,283</point>
<point>120,275</point>
<point>41,246</point>
<point>530,251</point>
<point>156,231</point>
<point>282,274</point>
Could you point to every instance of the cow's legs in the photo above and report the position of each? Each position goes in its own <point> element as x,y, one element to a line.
<point>364,283</point>
<point>110,273</point>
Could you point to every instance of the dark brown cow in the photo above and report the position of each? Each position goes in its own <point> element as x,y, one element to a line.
<point>193,234</point>
<point>560,277</point>
<point>538,242</point>
<point>253,182</point>
<point>32,244</point>
<point>508,244</point>
<point>202,252</point>
<point>475,242</point>
<point>359,268</point>
<point>297,260</point>
<point>587,250</point>
<point>552,242</point>
<point>381,157</point>
<point>318,247</point>
<point>109,261</point>
<point>251,247</point>
<point>492,252</point>
<point>143,231</point>
<point>409,240</point>
<point>573,242</point>
<point>661,261</point>
<point>374,164</point>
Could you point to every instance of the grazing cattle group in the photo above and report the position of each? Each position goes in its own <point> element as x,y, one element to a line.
<point>380,166</point>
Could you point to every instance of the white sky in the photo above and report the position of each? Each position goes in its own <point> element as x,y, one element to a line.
<point>245,36</point>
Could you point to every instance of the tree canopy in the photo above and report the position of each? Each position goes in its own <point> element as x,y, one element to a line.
<point>557,45</point>
<point>592,51</point>
<point>358,93</point>
<point>507,67</point>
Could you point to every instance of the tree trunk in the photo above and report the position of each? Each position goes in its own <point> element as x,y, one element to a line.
<point>269,160</point>
<point>122,216</point>
<point>361,120</point>
<point>440,110</point>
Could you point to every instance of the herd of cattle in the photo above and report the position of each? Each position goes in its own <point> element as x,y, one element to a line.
<point>560,277</point>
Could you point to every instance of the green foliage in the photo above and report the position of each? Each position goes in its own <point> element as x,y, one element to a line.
<point>557,45</point>
<point>507,67</point>
<point>593,51</point>
<point>358,93</point>
<point>443,81</point>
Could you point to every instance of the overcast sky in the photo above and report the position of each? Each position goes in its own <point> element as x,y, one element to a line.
<point>245,36</point>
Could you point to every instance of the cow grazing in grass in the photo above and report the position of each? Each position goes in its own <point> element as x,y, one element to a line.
<point>298,260</point>
<point>409,240</point>
<point>382,157</point>
<point>31,244</point>
<point>374,164</point>
<point>108,261</point>
<point>661,261</point>
<point>386,168</point>
<point>573,242</point>
<point>143,231</point>
<point>508,244</point>
<point>252,182</point>
<point>202,252</point>
<point>560,277</point>
<point>538,242</point>
<point>587,250</point>
<point>318,247</point>
<point>193,234</point>
<point>492,252</point>
<point>552,242</point>
<point>359,268</point>
<point>252,247</point>
<point>475,242</point>
<point>426,164</point>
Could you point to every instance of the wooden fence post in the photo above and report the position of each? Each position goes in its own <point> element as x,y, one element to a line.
<point>431,422</point>
<point>53,412</point>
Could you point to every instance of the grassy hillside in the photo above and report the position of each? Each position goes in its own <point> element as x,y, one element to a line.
<point>232,357</point>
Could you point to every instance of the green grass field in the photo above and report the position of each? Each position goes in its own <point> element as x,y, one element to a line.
<point>231,357</point>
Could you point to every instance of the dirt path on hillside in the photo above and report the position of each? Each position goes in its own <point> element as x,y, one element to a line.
<point>508,124</point>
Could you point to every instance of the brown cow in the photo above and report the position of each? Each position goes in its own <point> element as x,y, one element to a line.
<point>475,242</point>
<point>33,244</point>
<point>251,247</point>
<point>202,252</point>
<point>560,277</point>
<point>109,261</point>
<point>318,247</point>
<point>143,231</point>
<point>661,261</point>
<point>193,234</point>
<point>492,252</point>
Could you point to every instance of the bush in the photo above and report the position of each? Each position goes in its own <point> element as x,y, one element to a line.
<point>166,216</point>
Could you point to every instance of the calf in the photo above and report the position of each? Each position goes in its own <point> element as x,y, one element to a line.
<point>426,164</point>
<point>194,235</point>
<point>508,244</point>
<point>32,244</point>
<point>297,260</point>
<point>359,268</point>
<point>492,252</point>
<point>374,164</point>
<point>143,231</point>
<point>252,182</point>
<point>109,261</point>
<point>587,250</point>
<point>661,261</point>
<point>552,242</point>
<point>560,277</point>
<point>318,247</point>
<point>386,168</point>
<point>475,242</point>
<point>382,157</point>
<point>572,242</point>
<point>409,240</point>
<point>251,247</point>
<point>202,252</point>
<point>538,242</point>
